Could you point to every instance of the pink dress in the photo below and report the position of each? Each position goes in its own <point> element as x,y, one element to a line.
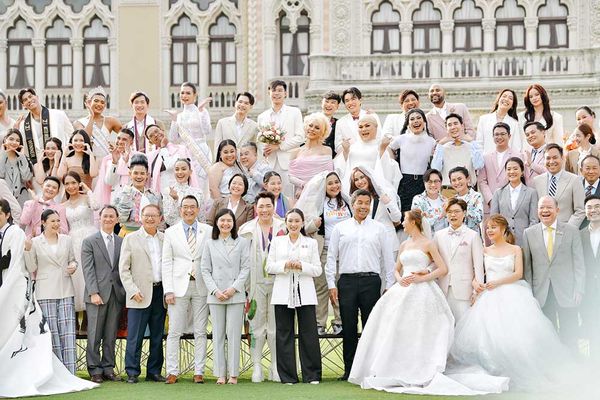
<point>304,168</point>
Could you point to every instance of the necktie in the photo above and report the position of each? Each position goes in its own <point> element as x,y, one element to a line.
<point>453,232</point>
<point>191,239</point>
<point>533,155</point>
<point>110,246</point>
<point>550,245</point>
<point>552,188</point>
<point>588,191</point>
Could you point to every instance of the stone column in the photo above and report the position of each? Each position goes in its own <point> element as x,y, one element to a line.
<point>203,64</point>
<point>241,83</point>
<point>77,46</point>
<point>447,28</point>
<point>531,24</point>
<point>3,66</point>
<point>406,29</point>
<point>165,96</point>
<point>114,74</point>
<point>40,65</point>
<point>489,34</point>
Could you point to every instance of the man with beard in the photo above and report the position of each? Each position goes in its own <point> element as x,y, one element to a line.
<point>436,117</point>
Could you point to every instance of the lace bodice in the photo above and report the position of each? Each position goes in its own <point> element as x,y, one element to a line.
<point>498,267</point>
<point>193,121</point>
<point>413,260</point>
<point>80,217</point>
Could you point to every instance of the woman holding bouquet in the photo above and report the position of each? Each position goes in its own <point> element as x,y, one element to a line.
<point>314,156</point>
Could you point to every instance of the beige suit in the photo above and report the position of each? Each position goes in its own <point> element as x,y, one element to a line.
<point>571,163</point>
<point>569,195</point>
<point>135,268</point>
<point>226,129</point>
<point>437,124</point>
<point>464,257</point>
<point>294,135</point>
<point>52,279</point>
<point>243,213</point>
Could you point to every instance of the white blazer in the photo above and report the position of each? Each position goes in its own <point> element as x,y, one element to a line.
<point>178,262</point>
<point>485,136</point>
<point>311,268</point>
<point>556,131</point>
<point>294,134</point>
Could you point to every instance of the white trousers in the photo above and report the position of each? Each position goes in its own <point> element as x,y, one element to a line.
<point>458,307</point>
<point>177,323</point>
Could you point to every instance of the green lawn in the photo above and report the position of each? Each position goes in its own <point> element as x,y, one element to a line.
<point>330,389</point>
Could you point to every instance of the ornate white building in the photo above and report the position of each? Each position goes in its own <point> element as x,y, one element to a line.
<point>472,47</point>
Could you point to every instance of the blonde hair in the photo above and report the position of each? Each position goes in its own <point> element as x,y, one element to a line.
<point>323,122</point>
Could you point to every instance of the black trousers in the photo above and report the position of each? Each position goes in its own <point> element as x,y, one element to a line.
<point>308,344</point>
<point>355,292</point>
<point>565,320</point>
<point>409,187</point>
<point>152,316</point>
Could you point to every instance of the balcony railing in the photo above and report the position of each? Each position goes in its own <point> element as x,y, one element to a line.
<point>513,64</point>
<point>223,97</point>
<point>61,99</point>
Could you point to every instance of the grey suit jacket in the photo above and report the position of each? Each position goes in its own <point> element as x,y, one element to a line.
<point>226,129</point>
<point>569,195</point>
<point>224,266</point>
<point>522,216</point>
<point>100,275</point>
<point>592,273</point>
<point>564,270</point>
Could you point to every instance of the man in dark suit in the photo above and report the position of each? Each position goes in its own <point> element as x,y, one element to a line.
<point>590,240</point>
<point>104,295</point>
<point>590,171</point>
<point>329,105</point>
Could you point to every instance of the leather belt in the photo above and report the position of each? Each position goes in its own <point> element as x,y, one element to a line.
<point>362,274</point>
<point>157,284</point>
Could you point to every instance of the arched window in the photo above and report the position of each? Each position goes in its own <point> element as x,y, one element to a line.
<point>96,55</point>
<point>553,32</point>
<point>427,36</point>
<point>510,26</point>
<point>222,52</point>
<point>294,47</point>
<point>468,35</point>
<point>20,56</point>
<point>184,52</point>
<point>385,37</point>
<point>59,56</point>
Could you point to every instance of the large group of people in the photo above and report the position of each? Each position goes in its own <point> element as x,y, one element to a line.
<point>470,253</point>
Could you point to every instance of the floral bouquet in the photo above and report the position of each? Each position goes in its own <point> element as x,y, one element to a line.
<point>271,134</point>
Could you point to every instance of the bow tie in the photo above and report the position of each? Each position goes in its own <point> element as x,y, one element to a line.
<point>452,232</point>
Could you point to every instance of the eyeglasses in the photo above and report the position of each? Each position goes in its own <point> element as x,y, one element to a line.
<point>498,134</point>
<point>454,211</point>
<point>150,216</point>
<point>592,208</point>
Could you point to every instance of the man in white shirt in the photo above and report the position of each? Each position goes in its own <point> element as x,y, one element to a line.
<point>393,123</point>
<point>184,289</point>
<point>254,169</point>
<point>40,124</point>
<point>436,117</point>
<point>364,253</point>
<point>561,185</point>
<point>237,127</point>
<point>535,135</point>
<point>140,272</point>
<point>289,119</point>
<point>554,267</point>
<point>590,172</point>
<point>346,128</point>
<point>140,103</point>
<point>590,239</point>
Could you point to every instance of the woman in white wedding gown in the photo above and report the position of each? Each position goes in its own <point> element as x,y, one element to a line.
<point>405,343</point>
<point>505,330</point>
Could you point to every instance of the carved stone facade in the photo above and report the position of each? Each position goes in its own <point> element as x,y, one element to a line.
<point>142,45</point>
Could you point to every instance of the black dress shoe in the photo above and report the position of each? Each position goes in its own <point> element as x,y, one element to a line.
<point>132,379</point>
<point>111,377</point>
<point>97,378</point>
<point>343,378</point>
<point>155,378</point>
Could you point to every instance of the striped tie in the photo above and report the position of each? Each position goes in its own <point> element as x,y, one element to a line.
<point>552,188</point>
<point>588,190</point>
<point>191,239</point>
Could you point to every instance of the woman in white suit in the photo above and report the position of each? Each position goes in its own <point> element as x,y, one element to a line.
<point>225,267</point>
<point>50,255</point>
<point>504,110</point>
<point>516,201</point>
<point>294,259</point>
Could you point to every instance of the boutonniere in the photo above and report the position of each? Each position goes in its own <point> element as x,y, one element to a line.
<point>463,244</point>
<point>559,232</point>
<point>451,110</point>
<point>281,233</point>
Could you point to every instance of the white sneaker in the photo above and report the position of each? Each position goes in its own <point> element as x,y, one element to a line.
<point>273,375</point>
<point>314,382</point>
<point>320,331</point>
<point>257,374</point>
<point>337,329</point>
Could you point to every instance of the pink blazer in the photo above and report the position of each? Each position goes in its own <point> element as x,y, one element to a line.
<point>493,176</point>
<point>437,125</point>
<point>32,214</point>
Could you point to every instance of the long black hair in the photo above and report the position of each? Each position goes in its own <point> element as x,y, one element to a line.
<point>406,122</point>
<point>215,229</point>
<point>46,161</point>
<point>85,163</point>
<point>47,213</point>
<point>521,165</point>
<point>5,208</point>
<point>530,111</point>
<point>301,214</point>
<point>339,199</point>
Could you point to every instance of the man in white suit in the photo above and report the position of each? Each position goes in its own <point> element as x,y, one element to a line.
<point>289,119</point>
<point>140,272</point>
<point>40,124</point>
<point>493,175</point>
<point>346,128</point>
<point>237,127</point>
<point>462,251</point>
<point>590,240</point>
<point>554,267</point>
<point>563,186</point>
<point>535,135</point>
<point>182,251</point>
